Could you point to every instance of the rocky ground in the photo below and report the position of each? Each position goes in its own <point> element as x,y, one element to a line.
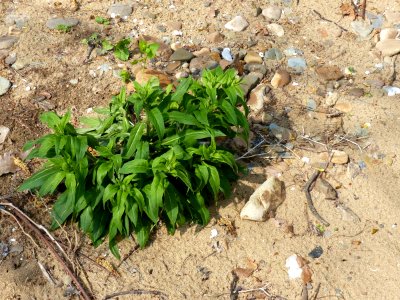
<point>322,85</point>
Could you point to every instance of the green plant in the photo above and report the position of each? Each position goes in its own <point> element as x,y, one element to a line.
<point>101,20</point>
<point>64,28</point>
<point>121,49</point>
<point>149,156</point>
<point>148,51</point>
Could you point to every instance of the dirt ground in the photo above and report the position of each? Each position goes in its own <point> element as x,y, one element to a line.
<point>361,247</point>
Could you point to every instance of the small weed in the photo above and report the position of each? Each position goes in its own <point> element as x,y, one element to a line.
<point>101,20</point>
<point>121,49</point>
<point>148,51</point>
<point>64,28</point>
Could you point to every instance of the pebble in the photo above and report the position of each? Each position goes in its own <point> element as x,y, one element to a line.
<point>273,54</point>
<point>331,98</point>
<point>264,201</point>
<point>73,81</point>
<point>388,34</point>
<point>4,131</point>
<point>258,98</point>
<point>250,81</point>
<point>224,64</point>
<point>215,37</point>
<point>292,52</point>
<point>161,28</point>
<point>297,65</point>
<point>257,11</point>
<point>388,47</point>
<point>276,29</point>
<point>237,24</point>
<point>175,46</point>
<point>362,28</point>
<point>344,107</point>
<point>260,68</point>
<point>53,23</point>
<point>203,62</point>
<point>329,73</point>
<point>272,13</point>
<point>119,10</point>
<point>180,75</point>
<point>316,252</point>
<point>253,57</point>
<point>174,25</point>
<point>356,92</point>
<point>201,52</point>
<point>144,75</point>
<point>281,133</point>
<point>5,85</point>
<point>10,59</point>
<point>280,79</point>
<point>391,90</point>
<point>226,54</point>
<point>181,55</point>
<point>7,41</point>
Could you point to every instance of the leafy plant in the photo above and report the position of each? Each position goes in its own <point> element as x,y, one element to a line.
<point>148,51</point>
<point>101,20</point>
<point>121,49</point>
<point>150,156</point>
<point>64,28</point>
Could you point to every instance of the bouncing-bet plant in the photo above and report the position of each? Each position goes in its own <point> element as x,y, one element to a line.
<point>150,156</point>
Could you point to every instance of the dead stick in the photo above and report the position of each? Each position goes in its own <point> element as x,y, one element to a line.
<point>327,20</point>
<point>304,293</point>
<point>363,7</point>
<point>310,203</point>
<point>316,291</point>
<point>137,292</point>
<point>39,234</point>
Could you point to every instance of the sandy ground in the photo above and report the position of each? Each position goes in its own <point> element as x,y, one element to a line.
<point>361,251</point>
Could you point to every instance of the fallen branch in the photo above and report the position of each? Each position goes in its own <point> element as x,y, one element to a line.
<point>307,189</point>
<point>327,20</point>
<point>138,292</point>
<point>37,230</point>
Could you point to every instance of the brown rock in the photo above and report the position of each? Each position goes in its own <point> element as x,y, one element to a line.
<point>339,157</point>
<point>224,64</point>
<point>344,107</point>
<point>329,73</point>
<point>258,98</point>
<point>144,75</point>
<point>389,47</point>
<point>356,92</point>
<point>215,56</point>
<point>173,66</point>
<point>174,25</point>
<point>253,57</point>
<point>215,37</point>
<point>201,52</point>
<point>280,79</point>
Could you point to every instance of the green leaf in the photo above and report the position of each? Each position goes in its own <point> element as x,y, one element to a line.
<point>181,90</point>
<point>183,118</point>
<point>171,199</point>
<point>214,180</point>
<point>136,166</point>
<point>121,50</point>
<point>230,114</point>
<point>109,192</point>
<point>134,138</point>
<point>101,20</point>
<point>142,151</point>
<point>51,183</point>
<point>202,173</point>
<point>142,233</point>
<point>157,121</point>
<point>63,208</point>
<point>201,116</point>
<point>86,219</point>
<point>102,171</point>
<point>39,178</point>
<point>106,45</point>
<point>132,211</point>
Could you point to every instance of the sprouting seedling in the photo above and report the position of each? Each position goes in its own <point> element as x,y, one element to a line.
<point>64,28</point>
<point>101,20</point>
<point>148,51</point>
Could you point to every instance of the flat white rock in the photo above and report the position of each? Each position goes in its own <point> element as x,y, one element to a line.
<point>276,29</point>
<point>237,24</point>
<point>388,47</point>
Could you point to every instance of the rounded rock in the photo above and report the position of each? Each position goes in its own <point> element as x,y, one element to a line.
<point>55,22</point>
<point>388,34</point>
<point>7,41</point>
<point>389,47</point>
<point>237,24</point>
<point>120,10</point>
<point>5,85</point>
<point>276,29</point>
<point>272,13</point>
<point>280,79</point>
<point>253,57</point>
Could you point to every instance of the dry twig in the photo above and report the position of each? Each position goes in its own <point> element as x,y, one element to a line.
<point>138,292</point>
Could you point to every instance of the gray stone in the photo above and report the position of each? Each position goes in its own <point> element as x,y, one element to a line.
<point>181,55</point>
<point>260,68</point>
<point>4,131</point>
<point>197,64</point>
<point>10,59</point>
<point>276,29</point>
<point>250,81</point>
<point>5,85</point>
<point>273,54</point>
<point>362,28</point>
<point>257,11</point>
<point>237,24</point>
<point>272,13</point>
<point>55,22</point>
<point>119,10</point>
<point>7,41</point>
<point>292,52</point>
<point>226,54</point>
<point>297,65</point>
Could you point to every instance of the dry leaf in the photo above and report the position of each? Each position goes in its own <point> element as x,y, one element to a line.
<point>230,226</point>
<point>20,164</point>
<point>7,164</point>
<point>306,274</point>
<point>374,230</point>
<point>348,10</point>
<point>106,264</point>
<point>243,272</point>
<point>356,243</point>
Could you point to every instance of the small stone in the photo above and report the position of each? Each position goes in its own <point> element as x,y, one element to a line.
<point>224,64</point>
<point>73,81</point>
<point>258,98</point>
<point>197,64</point>
<point>144,75</point>
<point>176,46</point>
<point>174,25</point>
<point>343,107</point>
<point>276,29</point>
<point>7,41</point>
<point>181,55</point>
<point>173,66</point>
<point>362,28</point>
<point>273,54</point>
<point>180,75</point>
<point>282,133</point>
<point>316,252</point>
<point>257,11</point>
<point>329,73</point>
<point>11,59</point>
<point>260,68</point>
<point>296,65</point>
<point>356,92</point>
<point>332,98</point>
<point>119,10</point>
<point>161,28</point>
<point>388,47</point>
<point>150,15</point>
<point>280,79</point>
<point>215,37</point>
<point>253,57</point>
<point>264,201</point>
<point>55,22</point>
<point>202,52</point>
<point>388,34</point>
<point>338,157</point>
<point>250,81</point>
<point>5,85</point>
<point>237,24</point>
<point>226,54</point>
<point>4,131</point>
<point>272,13</point>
